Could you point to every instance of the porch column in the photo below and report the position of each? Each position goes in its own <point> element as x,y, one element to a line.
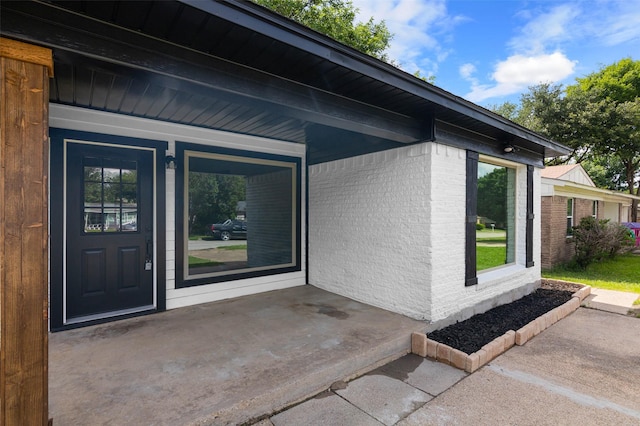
<point>24,108</point>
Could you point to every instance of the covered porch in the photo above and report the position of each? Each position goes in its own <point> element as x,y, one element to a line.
<point>225,362</point>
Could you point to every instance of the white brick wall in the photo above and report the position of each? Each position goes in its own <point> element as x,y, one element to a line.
<point>388,229</point>
<point>368,233</point>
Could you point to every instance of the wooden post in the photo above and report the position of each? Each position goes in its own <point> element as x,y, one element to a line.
<point>24,109</point>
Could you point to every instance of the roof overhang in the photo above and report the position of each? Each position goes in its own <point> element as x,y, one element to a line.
<point>235,66</point>
<point>565,188</point>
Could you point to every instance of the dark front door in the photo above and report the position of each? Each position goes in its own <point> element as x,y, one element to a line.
<point>109,231</point>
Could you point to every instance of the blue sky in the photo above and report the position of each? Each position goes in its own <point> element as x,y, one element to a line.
<point>491,51</point>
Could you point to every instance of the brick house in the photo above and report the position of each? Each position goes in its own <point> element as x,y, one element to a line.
<point>568,195</point>
<point>358,178</point>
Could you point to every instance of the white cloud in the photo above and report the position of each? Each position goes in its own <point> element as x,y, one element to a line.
<point>467,71</point>
<point>614,22</point>
<point>417,26</point>
<point>518,72</point>
<point>557,27</point>
<point>545,30</point>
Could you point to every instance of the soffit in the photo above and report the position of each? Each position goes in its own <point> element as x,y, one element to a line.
<point>287,63</point>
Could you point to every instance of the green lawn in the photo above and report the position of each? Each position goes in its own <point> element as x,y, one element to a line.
<point>488,234</point>
<point>234,247</point>
<point>490,256</point>
<point>491,250</point>
<point>621,273</point>
<point>198,261</point>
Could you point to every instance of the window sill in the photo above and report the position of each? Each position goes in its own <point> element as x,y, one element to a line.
<point>497,275</point>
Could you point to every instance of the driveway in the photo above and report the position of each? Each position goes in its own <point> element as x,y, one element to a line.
<point>583,370</point>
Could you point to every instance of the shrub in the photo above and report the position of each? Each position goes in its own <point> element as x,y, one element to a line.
<point>596,239</point>
<point>479,227</point>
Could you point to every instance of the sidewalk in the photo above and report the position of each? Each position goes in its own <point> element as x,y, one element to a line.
<point>582,370</point>
<point>617,302</point>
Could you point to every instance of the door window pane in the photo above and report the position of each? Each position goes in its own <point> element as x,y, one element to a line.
<point>110,195</point>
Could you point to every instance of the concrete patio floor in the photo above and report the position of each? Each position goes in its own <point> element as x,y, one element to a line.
<point>225,362</point>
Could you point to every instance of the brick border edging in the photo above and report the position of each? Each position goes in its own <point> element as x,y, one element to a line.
<point>427,348</point>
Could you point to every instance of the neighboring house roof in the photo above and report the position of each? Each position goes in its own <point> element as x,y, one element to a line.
<point>569,172</point>
<point>235,66</point>
<point>571,180</point>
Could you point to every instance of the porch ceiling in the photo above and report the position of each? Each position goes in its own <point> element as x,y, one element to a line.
<point>237,67</point>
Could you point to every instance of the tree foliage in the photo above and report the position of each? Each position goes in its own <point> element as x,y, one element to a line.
<point>492,199</point>
<point>336,19</point>
<point>598,117</point>
<point>213,198</point>
<point>598,239</point>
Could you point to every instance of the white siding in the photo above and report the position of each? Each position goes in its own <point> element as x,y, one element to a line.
<point>114,124</point>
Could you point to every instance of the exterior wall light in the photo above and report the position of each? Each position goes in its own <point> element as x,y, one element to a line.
<point>171,162</point>
<point>508,148</point>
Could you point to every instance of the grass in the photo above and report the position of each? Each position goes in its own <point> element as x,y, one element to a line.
<point>235,247</point>
<point>488,234</point>
<point>198,261</point>
<point>489,257</point>
<point>621,273</point>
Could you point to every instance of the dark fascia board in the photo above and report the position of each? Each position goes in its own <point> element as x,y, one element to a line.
<point>263,21</point>
<point>57,28</point>
<point>449,134</point>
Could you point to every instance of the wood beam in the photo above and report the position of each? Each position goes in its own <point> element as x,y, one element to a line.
<point>24,102</point>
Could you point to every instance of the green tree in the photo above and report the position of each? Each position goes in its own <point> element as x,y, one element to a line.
<point>213,198</point>
<point>612,113</point>
<point>605,172</point>
<point>492,196</point>
<point>598,117</point>
<point>336,19</point>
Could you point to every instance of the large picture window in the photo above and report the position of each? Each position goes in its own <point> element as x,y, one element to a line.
<point>495,236</point>
<point>239,218</point>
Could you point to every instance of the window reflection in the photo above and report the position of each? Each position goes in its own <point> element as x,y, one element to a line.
<point>239,215</point>
<point>495,235</point>
<point>110,195</point>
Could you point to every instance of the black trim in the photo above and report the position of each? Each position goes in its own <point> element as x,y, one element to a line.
<point>56,176</point>
<point>181,147</point>
<point>449,134</point>
<point>530,217</point>
<point>263,21</point>
<point>471,218</point>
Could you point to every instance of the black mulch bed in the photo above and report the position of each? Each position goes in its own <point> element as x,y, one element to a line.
<point>472,334</point>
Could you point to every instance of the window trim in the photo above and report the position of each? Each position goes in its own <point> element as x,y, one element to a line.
<point>471,267</point>
<point>184,151</point>
<point>530,219</point>
<point>569,230</point>
<point>471,214</point>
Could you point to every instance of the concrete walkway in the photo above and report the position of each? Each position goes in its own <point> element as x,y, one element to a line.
<point>582,370</point>
<point>617,302</point>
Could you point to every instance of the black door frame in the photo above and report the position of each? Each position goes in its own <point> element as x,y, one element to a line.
<point>57,219</point>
